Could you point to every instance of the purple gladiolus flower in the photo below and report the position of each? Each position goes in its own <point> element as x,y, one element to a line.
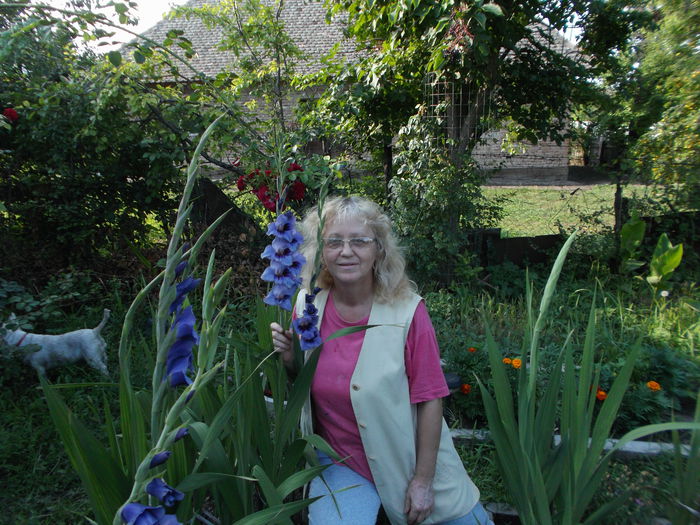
<point>285,261</point>
<point>298,261</point>
<point>181,433</point>
<point>180,377</point>
<point>159,458</point>
<point>167,495</point>
<point>310,340</point>
<point>184,324</point>
<point>306,325</point>
<point>283,227</point>
<point>311,297</point>
<point>182,289</point>
<point>180,359</point>
<point>180,268</point>
<point>280,274</point>
<point>311,309</point>
<point>138,514</point>
<point>280,296</point>
<point>169,519</point>
<point>296,240</point>
<point>279,251</point>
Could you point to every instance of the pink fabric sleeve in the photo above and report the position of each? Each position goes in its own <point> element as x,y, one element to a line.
<point>426,380</point>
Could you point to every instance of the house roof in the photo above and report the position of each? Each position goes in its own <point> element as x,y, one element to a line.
<point>306,25</point>
<point>304,21</point>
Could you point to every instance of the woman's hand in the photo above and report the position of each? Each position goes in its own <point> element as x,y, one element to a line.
<point>419,501</point>
<point>282,343</point>
<point>419,495</point>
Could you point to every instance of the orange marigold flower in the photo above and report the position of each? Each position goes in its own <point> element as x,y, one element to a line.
<point>517,363</point>
<point>601,395</point>
<point>471,349</point>
<point>654,386</point>
<point>507,360</point>
<point>465,388</point>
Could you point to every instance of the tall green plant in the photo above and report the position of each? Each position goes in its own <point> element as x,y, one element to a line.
<point>553,482</point>
<point>435,206</point>
<point>684,503</point>
<point>233,443</point>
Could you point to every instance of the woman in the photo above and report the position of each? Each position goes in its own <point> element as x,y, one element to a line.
<point>376,394</point>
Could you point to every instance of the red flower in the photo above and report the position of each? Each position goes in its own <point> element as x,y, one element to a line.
<point>471,349</point>
<point>11,114</point>
<point>296,191</point>
<point>270,205</point>
<point>294,167</point>
<point>264,196</point>
<point>601,395</point>
<point>465,388</point>
<point>240,183</point>
<point>261,193</point>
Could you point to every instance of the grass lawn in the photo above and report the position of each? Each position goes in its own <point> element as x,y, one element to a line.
<point>539,210</point>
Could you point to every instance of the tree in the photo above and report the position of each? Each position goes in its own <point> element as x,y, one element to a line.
<point>669,148</point>
<point>254,88</point>
<point>98,148</point>
<point>82,170</point>
<point>646,109</point>
<point>485,65</point>
<point>510,53</point>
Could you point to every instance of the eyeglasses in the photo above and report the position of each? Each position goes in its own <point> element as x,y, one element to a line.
<point>356,243</point>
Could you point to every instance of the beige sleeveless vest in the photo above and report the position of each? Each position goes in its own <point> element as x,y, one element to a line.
<point>387,420</point>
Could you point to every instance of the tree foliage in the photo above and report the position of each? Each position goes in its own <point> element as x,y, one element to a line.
<point>669,149</point>
<point>82,168</point>
<point>509,53</point>
<point>439,74</point>
<point>95,155</point>
<point>646,110</point>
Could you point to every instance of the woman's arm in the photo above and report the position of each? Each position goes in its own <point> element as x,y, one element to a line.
<point>419,495</point>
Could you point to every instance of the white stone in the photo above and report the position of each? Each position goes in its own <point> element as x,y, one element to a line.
<point>641,448</point>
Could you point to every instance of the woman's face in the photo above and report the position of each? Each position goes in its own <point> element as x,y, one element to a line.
<point>352,262</point>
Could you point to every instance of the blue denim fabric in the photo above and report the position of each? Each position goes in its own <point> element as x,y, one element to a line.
<point>359,505</point>
<point>477,516</point>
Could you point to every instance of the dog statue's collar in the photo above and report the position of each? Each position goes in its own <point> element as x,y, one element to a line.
<point>21,340</point>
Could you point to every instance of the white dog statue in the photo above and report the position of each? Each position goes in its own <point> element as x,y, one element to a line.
<point>63,349</point>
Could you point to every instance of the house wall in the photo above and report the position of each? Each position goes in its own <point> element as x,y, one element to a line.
<point>525,163</point>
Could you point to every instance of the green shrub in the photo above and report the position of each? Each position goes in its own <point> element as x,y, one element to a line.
<point>624,313</point>
<point>677,375</point>
<point>62,293</point>
<point>434,204</point>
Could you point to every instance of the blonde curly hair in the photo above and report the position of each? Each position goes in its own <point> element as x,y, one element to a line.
<point>390,280</point>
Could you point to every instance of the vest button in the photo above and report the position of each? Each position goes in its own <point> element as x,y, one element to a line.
<point>355,387</point>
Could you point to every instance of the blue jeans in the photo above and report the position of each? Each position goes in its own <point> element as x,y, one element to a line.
<point>359,505</point>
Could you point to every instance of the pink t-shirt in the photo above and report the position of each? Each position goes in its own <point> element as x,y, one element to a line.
<point>334,419</point>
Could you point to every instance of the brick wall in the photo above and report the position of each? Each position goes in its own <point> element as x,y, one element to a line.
<point>545,154</point>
